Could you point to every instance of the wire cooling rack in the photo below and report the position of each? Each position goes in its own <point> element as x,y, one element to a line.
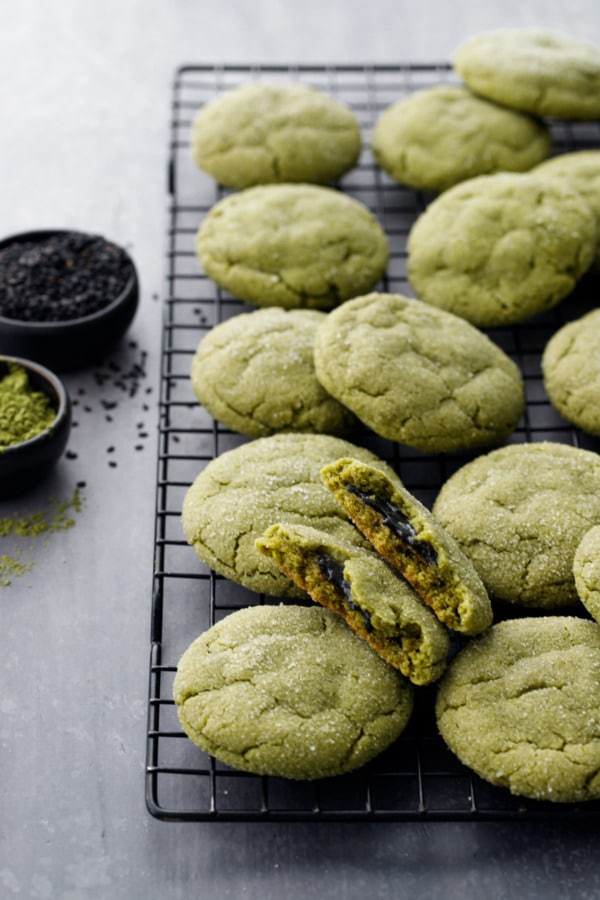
<point>417,778</point>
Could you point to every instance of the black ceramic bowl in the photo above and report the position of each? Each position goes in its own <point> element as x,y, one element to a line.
<point>23,465</point>
<point>72,343</point>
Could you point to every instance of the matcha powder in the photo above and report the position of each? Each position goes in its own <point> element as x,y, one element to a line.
<point>16,560</point>
<point>24,412</point>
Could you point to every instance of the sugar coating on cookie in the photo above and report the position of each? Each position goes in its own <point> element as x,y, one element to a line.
<point>571,371</point>
<point>520,705</point>
<point>581,171</point>
<point>374,601</point>
<point>405,533</point>
<point>536,70</point>
<point>586,571</point>
<point>289,691</point>
<point>439,136</point>
<point>499,249</point>
<point>262,133</point>
<point>292,245</point>
<point>241,492</point>
<point>418,375</point>
<point>519,513</point>
<point>255,374</point>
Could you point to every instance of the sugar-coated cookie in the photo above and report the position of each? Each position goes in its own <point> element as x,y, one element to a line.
<point>292,245</point>
<point>405,533</point>
<point>439,136</point>
<point>255,374</point>
<point>240,493</point>
<point>581,171</point>
<point>499,249</point>
<point>586,571</point>
<point>289,691</point>
<point>520,705</point>
<point>533,69</point>
<point>418,375</point>
<point>519,513</point>
<point>260,133</point>
<point>358,585</point>
<point>571,371</point>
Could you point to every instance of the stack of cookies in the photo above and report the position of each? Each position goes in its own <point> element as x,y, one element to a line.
<point>404,597</point>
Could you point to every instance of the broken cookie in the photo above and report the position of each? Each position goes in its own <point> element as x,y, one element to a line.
<point>406,534</point>
<point>359,585</point>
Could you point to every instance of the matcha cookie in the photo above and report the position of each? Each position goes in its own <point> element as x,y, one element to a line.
<point>519,513</point>
<point>436,137</point>
<point>405,533</point>
<point>520,705</point>
<point>261,133</point>
<point>571,370</point>
<point>418,375</point>
<point>292,245</point>
<point>255,374</point>
<point>499,249</point>
<point>586,571</point>
<point>581,171</point>
<point>359,586</point>
<point>240,493</point>
<point>289,691</point>
<point>534,70</point>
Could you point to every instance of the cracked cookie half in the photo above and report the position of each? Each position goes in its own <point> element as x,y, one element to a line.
<point>375,601</point>
<point>520,705</point>
<point>405,533</point>
<point>289,691</point>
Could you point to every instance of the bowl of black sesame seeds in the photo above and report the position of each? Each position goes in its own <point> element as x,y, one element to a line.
<point>66,297</point>
<point>35,423</point>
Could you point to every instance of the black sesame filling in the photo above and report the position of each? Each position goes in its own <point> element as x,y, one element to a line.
<point>394,519</point>
<point>334,573</point>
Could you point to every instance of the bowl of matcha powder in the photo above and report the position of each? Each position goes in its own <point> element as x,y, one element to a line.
<point>35,421</point>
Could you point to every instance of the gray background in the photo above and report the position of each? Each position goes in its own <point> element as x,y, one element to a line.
<point>85,93</point>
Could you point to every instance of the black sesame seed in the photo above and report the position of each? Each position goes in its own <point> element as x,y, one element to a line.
<point>64,276</point>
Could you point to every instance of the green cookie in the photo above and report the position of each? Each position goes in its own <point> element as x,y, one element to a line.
<point>520,705</point>
<point>571,370</point>
<point>418,375</point>
<point>586,571</point>
<point>289,691</point>
<point>519,513</point>
<point>581,171</point>
<point>292,245</point>
<point>535,70</point>
<point>255,374</point>
<point>405,533</point>
<point>244,490</point>
<point>359,586</point>
<point>439,136</point>
<point>499,249</point>
<point>262,133</point>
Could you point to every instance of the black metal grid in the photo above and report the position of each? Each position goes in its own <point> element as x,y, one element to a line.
<point>417,778</point>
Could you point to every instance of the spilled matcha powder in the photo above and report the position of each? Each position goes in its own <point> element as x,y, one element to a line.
<point>24,412</point>
<point>59,516</point>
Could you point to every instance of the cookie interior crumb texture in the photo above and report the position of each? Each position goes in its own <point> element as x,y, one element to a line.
<point>359,585</point>
<point>405,533</point>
